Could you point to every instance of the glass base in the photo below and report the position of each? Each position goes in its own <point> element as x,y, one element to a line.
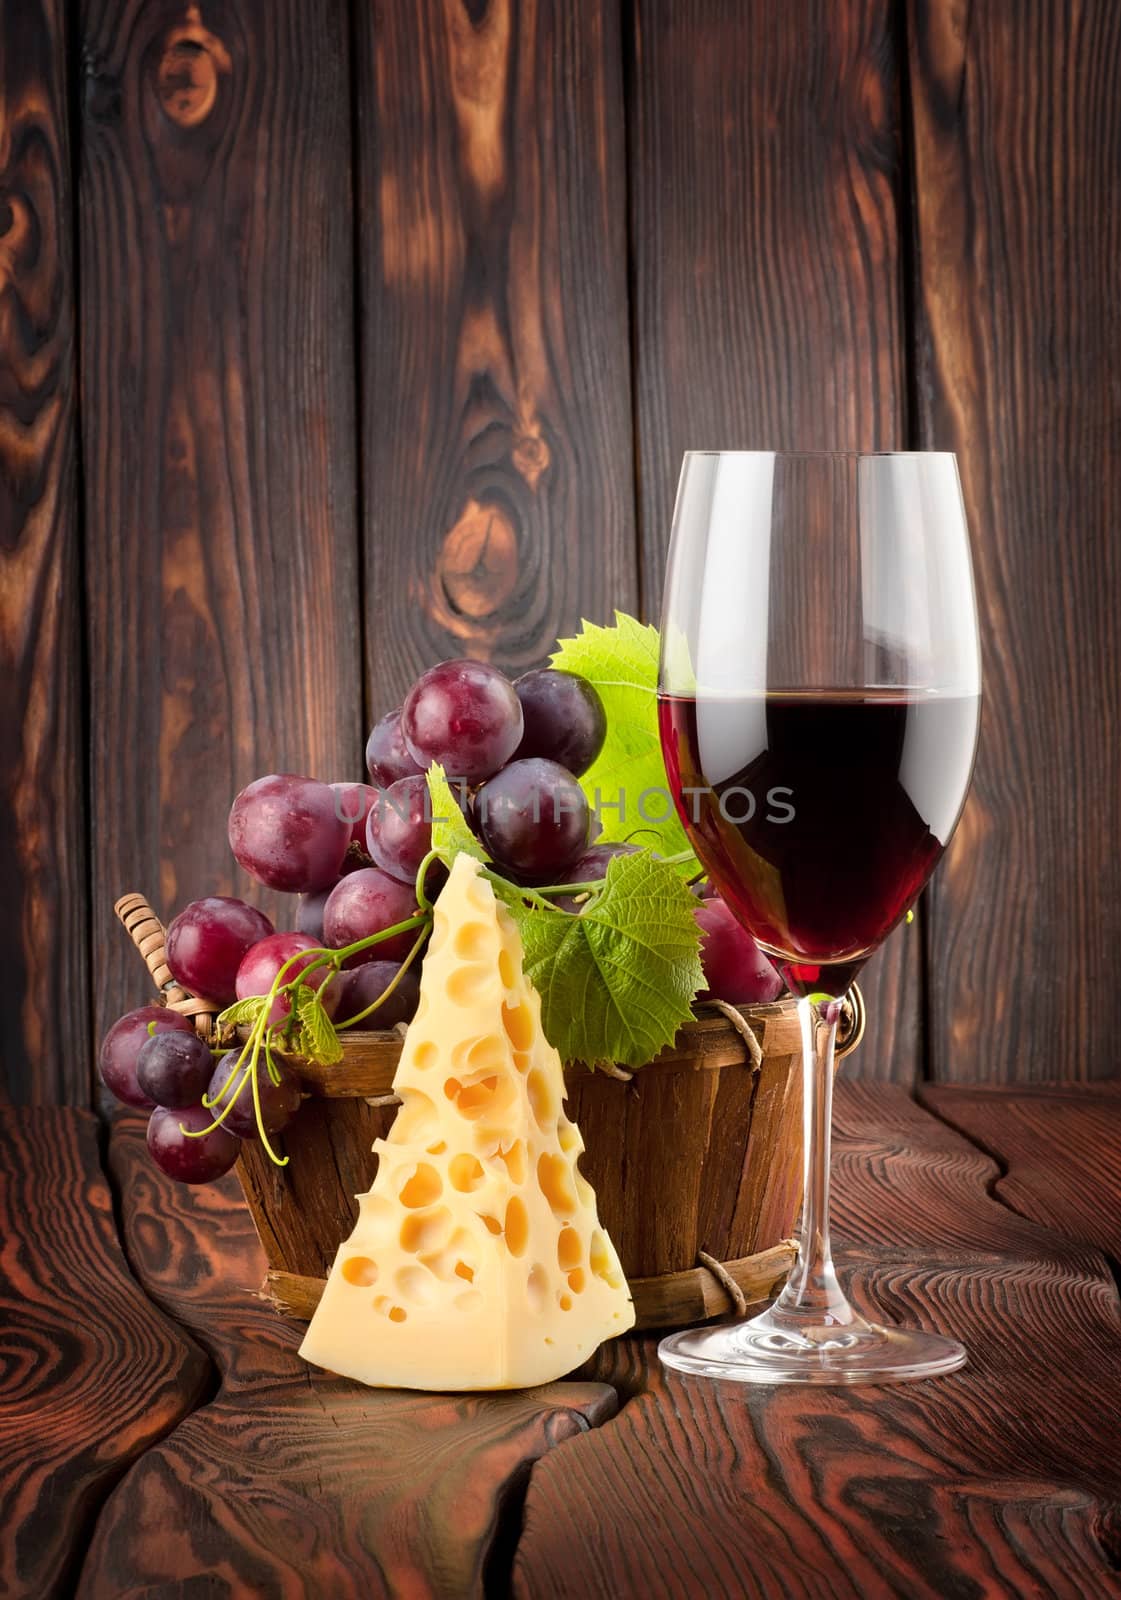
<point>769,1350</point>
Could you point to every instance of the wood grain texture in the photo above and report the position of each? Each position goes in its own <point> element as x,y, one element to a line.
<point>766,171</point>
<point>218,427</point>
<point>292,1481</point>
<point>1059,1147</point>
<point>91,1374</point>
<point>495,365</point>
<point>44,1030</point>
<point>1002,1480</point>
<point>1017,149</point>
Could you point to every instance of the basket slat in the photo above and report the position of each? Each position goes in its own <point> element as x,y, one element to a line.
<point>662,1302</point>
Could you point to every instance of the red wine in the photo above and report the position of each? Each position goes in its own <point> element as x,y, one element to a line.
<point>819,815</point>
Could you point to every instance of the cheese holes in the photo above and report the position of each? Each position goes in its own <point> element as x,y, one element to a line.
<point>491,1224</point>
<point>537,1287</point>
<point>570,1252</point>
<point>361,1271</point>
<point>465,1173</point>
<point>377,1210</point>
<point>576,1280</point>
<point>564,1301</point>
<point>490,1096</point>
<point>453,1257</point>
<point>427,1231</point>
<point>555,1179</point>
<point>542,1099</point>
<point>425,1055</point>
<point>414,1119</point>
<point>506,968</point>
<point>473,941</point>
<point>467,986</point>
<point>517,1225</point>
<point>601,1261</point>
<point>415,1286</point>
<point>485,1055</point>
<point>423,1188</point>
<point>518,1022</point>
<point>386,1307</point>
<point>437,1149</point>
<point>568,1137</point>
<point>514,1157</point>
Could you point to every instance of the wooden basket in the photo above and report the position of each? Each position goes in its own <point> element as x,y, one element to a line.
<point>695,1158</point>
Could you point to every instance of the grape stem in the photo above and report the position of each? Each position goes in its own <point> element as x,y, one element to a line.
<point>261,1033</point>
<point>388,990</point>
<point>421,892</point>
<point>591,886</point>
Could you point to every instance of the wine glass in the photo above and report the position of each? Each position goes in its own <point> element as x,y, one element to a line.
<point>819,697</point>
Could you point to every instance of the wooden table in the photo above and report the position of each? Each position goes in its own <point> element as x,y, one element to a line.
<point>159,1435</point>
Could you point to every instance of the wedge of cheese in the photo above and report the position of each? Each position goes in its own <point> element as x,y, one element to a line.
<point>477,1261</point>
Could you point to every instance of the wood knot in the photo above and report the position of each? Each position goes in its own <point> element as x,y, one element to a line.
<point>187,76</point>
<point>19,237</point>
<point>477,569</point>
<point>531,457</point>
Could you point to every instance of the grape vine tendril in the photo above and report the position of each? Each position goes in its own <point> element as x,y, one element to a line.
<point>260,1032</point>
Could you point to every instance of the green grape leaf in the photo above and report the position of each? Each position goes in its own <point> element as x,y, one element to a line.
<point>319,1041</point>
<point>626,784</point>
<point>451,836</point>
<point>247,1010</point>
<point>616,981</point>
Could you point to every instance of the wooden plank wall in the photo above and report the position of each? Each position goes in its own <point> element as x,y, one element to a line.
<point>391,324</point>
<point>1017,154</point>
<point>766,170</point>
<point>44,884</point>
<point>218,429</point>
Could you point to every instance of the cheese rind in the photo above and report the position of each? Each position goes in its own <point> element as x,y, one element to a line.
<point>478,1260</point>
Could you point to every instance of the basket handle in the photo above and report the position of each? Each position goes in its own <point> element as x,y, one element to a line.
<point>149,936</point>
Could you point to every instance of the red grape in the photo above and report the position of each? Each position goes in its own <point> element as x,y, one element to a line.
<point>594,861</point>
<point>309,914</point>
<point>399,828</point>
<point>533,817</point>
<point>264,961</point>
<point>206,941</point>
<point>122,1045</point>
<point>564,719</point>
<point>366,983</point>
<point>466,716</point>
<point>387,759</point>
<point>354,802</point>
<point>190,1160</point>
<point>285,831</point>
<point>736,970</point>
<point>174,1068</point>
<point>590,867</point>
<point>279,1101</point>
<point>364,903</point>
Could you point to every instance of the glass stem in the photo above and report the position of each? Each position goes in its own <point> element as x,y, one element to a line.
<point>812,1296</point>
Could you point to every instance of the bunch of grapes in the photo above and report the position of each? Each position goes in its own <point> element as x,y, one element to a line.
<point>512,753</point>
<point>352,852</point>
